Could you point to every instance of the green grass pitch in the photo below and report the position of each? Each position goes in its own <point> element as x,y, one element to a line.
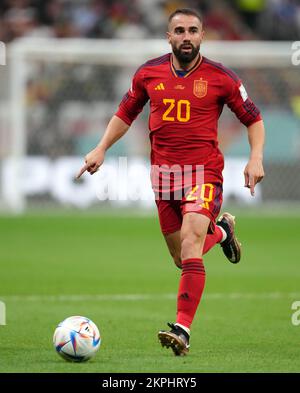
<point>117,271</point>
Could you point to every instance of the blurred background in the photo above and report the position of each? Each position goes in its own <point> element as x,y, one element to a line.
<point>68,64</point>
<point>224,19</point>
<point>94,247</point>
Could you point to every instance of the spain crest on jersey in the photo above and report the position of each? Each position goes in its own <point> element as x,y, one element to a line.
<point>200,88</point>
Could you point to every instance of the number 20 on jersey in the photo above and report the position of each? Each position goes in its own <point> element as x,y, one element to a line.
<point>177,110</point>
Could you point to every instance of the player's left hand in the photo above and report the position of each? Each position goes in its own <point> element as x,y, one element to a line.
<point>254,173</point>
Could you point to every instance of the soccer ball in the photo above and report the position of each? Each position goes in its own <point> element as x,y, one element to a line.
<point>77,339</point>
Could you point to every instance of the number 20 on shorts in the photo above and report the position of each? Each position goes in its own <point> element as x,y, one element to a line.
<point>177,110</point>
<point>206,194</point>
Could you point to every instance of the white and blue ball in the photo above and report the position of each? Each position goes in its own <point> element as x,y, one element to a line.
<point>77,339</point>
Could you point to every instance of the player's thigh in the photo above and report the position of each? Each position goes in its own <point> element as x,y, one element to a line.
<point>205,200</point>
<point>194,226</point>
<point>193,233</point>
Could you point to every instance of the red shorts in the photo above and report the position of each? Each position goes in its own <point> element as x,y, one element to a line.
<point>206,199</point>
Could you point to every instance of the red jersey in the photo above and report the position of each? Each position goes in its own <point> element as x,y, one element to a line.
<point>184,111</point>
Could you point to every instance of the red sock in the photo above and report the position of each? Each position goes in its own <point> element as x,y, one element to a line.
<point>211,239</point>
<point>190,290</point>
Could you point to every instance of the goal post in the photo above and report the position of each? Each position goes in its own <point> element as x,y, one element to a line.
<point>12,167</point>
<point>63,91</point>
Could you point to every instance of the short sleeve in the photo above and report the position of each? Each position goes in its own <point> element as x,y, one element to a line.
<point>134,100</point>
<point>237,99</point>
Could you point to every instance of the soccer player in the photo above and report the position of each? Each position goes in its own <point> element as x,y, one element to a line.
<point>187,92</point>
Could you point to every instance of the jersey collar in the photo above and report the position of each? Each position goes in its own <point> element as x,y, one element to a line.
<point>190,71</point>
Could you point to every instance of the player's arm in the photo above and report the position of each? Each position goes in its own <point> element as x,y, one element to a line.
<point>116,128</point>
<point>129,108</point>
<point>246,111</point>
<point>254,171</point>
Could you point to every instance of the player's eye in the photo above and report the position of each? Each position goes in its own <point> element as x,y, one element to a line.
<point>179,30</point>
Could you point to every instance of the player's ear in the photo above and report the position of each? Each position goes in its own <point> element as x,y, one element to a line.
<point>202,34</point>
<point>168,34</point>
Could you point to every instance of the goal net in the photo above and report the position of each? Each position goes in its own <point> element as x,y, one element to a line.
<point>58,96</point>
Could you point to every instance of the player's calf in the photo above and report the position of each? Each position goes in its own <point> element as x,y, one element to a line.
<point>177,260</point>
<point>174,246</point>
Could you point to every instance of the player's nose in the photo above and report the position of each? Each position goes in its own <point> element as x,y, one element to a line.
<point>186,42</point>
<point>187,36</point>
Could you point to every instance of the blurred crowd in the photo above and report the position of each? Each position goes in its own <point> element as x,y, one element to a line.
<point>224,19</point>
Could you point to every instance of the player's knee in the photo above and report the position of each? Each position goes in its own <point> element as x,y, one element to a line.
<point>188,242</point>
<point>190,246</point>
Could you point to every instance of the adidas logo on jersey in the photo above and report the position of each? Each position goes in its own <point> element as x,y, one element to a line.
<point>160,87</point>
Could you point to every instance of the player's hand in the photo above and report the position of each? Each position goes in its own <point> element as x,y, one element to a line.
<point>93,160</point>
<point>254,173</point>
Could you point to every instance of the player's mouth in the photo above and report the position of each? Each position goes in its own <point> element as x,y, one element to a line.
<point>186,47</point>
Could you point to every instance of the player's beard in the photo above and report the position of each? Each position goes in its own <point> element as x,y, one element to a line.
<point>186,58</point>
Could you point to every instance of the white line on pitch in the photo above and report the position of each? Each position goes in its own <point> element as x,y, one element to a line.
<point>141,297</point>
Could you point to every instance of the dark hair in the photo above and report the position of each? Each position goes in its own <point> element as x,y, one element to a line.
<point>186,11</point>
